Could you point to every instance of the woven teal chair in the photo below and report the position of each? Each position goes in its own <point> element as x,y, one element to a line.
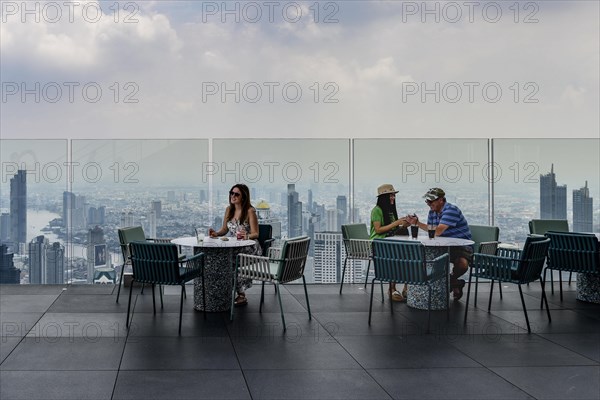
<point>126,236</point>
<point>283,265</point>
<point>358,247</point>
<point>573,252</point>
<point>486,242</point>
<point>541,226</point>
<point>513,266</point>
<point>403,261</point>
<point>159,264</point>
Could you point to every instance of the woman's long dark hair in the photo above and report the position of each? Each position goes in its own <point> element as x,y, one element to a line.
<point>245,203</point>
<point>388,209</point>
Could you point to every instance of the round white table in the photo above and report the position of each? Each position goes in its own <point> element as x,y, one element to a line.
<point>418,295</point>
<point>219,267</point>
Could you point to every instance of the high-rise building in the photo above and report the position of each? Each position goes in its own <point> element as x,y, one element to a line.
<point>18,208</point>
<point>294,212</point>
<point>553,198</point>
<point>330,254</point>
<point>157,208</point>
<point>342,211</point>
<point>97,253</point>
<point>8,272</point>
<point>583,210</point>
<point>152,224</point>
<point>46,262</point>
<point>127,219</point>
<point>332,217</point>
<point>68,206</point>
<point>310,201</point>
<point>4,227</point>
<point>171,196</point>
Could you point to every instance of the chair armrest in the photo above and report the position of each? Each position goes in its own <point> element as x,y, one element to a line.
<point>494,267</point>
<point>438,266</point>
<point>192,263</point>
<point>254,267</point>
<point>274,253</point>
<point>509,253</point>
<point>488,247</point>
<point>358,248</point>
<point>159,240</point>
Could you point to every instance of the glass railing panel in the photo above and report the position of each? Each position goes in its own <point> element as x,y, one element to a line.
<point>34,176</point>
<point>299,186</point>
<point>546,179</point>
<point>118,183</point>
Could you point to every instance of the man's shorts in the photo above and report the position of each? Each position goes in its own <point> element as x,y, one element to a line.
<point>461,252</point>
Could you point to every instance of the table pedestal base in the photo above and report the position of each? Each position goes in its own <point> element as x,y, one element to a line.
<point>588,288</point>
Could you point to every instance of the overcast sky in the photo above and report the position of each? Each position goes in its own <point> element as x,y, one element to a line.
<point>325,70</point>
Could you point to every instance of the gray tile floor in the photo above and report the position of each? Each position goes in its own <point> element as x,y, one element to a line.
<point>70,342</point>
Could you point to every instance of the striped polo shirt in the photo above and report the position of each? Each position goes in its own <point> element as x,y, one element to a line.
<point>454,218</point>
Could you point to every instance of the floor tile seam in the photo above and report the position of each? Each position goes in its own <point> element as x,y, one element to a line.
<point>568,349</point>
<point>112,395</point>
<point>229,321</point>
<point>22,338</point>
<point>361,367</point>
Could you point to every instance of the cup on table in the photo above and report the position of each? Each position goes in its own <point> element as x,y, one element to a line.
<point>200,235</point>
<point>414,231</point>
<point>431,231</point>
<point>241,234</point>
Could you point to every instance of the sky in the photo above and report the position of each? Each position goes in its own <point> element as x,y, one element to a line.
<point>339,70</point>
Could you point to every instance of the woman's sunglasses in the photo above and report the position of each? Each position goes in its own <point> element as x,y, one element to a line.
<point>235,194</point>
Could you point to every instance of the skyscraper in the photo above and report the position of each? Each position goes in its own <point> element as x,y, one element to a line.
<point>18,208</point>
<point>553,198</point>
<point>157,208</point>
<point>342,211</point>
<point>583,210</point>
<point>8,272</point>
<point>46,262</point>
<point>97,253</point>
<point>294,212</point>
<point>4,227</point>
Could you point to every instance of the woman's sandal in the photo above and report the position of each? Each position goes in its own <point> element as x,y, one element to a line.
<point>240,300</point>
<point>457,289</point>
<point>397,296</point>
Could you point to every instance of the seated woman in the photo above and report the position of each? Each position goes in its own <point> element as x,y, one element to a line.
<point>385,222</point>
<point>240,216</point>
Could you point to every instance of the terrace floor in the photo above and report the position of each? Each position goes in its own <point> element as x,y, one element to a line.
<point>70,342</point>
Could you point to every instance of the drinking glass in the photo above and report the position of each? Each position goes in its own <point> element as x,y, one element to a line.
<point>200,235</point>
<point>431,231</point>
<point>414,231</point>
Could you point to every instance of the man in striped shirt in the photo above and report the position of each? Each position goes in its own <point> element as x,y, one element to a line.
<point>450,222</point>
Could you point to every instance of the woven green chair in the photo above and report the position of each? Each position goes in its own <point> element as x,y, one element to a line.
<point>486,242</point>
<point>283,265</point>
<point>541,226</point>
<point>573,252</point>
<point>513,266</point>
<point>358,247</point>
<point>159,264</point>
<point>403,261</point>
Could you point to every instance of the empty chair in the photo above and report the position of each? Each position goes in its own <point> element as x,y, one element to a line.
<point>283,265</point>
<point>126,236</point>
<point>402,261</point>
<point>265,237</point>
<point>486,242</point>
<point>573,252</point>
<point>514,266</point>
<point>541,226</point>
<point>159,264</point>
<point>358,247</point>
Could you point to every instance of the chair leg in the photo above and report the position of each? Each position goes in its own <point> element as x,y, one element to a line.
<point>280,306</point>
<point>524,309</point>
<point>367,276</point>
<point>570,276</point>
<point>371,302</point>
<point>262,296</point>
<point>428,307</point>
<point>476,288</point>
<point>544,298</point>
<point>468,295</point>
<point>343,274</point>
<point>551,281</point>
<point>160,290</point>
<point>143,286</point>
<point>500,288</point>
<point>381,284</point>
<point>560,284</point>
<point>181,306</point>
<point>153,301</point>
<point>491,292</point>
<point>306,294</point>
<point>121,282</point>
<point>184,292</point>
<point>129,306</point>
